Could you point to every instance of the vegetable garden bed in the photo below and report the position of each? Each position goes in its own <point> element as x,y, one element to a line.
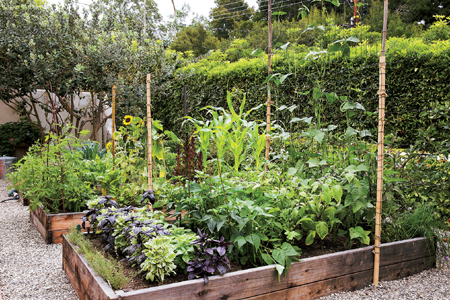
<point>308,279</point>
<point>53,226</point>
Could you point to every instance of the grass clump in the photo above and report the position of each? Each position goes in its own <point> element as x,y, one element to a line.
<point>423,221</point>
<point>107,268</point>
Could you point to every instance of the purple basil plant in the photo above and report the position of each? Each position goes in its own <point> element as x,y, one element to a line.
<point>210,257</point>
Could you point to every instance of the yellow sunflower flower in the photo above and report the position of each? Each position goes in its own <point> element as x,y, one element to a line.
<point>127,120</point>
<point>108,146</point>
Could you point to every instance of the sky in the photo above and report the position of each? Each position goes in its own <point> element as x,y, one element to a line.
<point>201,7</point>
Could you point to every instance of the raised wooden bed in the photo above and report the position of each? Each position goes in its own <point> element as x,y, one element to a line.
<point>308,279</point>
<point>53,226</point>
<point>24,200</point>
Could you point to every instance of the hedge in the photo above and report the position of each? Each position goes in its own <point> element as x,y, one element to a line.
<point>417,74</point>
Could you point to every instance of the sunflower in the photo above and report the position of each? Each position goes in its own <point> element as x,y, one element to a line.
<point>108,146</point>
<point>127,120</point>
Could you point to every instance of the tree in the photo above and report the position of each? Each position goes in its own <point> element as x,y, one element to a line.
<point>418,10</point>
<point>195,38</point>
<point>289,10</point>
<point>227,15</point>
<point>65,53</point>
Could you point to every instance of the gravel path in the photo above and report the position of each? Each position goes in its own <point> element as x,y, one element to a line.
<point>29,268</point>
<point>431,284</point>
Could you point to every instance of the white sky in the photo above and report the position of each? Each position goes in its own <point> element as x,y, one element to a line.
<point>201,7</point>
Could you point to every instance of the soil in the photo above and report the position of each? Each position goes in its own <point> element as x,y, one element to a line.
<point>326,246</point>
<point>138,281</point>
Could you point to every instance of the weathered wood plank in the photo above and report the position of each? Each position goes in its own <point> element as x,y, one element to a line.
<point>35,220</point>
<point>302,275</point>
<point>24,200</point>
<point>395,252</point>
<point>64,221</point>
<point>57,236</point>
<point>265,279</point>
<point>74,280</point>
<point>349,282</point>
<point>94,285</point>
<point>41,214</point>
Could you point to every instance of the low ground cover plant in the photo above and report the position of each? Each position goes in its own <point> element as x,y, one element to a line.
<point>108,268</point>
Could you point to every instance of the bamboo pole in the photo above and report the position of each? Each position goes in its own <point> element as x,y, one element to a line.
<point>149,138</point>
<point>380,159</point>
<point>113,148</point>
<point>269,102</point>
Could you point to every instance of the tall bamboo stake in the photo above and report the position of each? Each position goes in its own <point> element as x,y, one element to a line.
<point>149,137</point>
<point>269,102</point>
<point>380,159</point>
<point>113,150</point>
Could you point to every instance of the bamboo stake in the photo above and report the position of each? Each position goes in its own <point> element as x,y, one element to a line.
<point>113,150</point>
<point>380,159</point>
<point>149,138</point>
<point>269,102</point>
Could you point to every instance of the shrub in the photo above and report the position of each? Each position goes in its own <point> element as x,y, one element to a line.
<point>440,30</point>
<point>15,134</point>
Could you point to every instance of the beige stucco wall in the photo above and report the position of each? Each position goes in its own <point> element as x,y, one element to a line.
<point>8,115</point>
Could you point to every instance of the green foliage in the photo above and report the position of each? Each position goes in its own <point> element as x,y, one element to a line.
<point>440,30</point>
<point>201,39</point>
<point>91,150</point>
<point>160,255</point>
<point>397,26</point>
<point>53,176</point>
<point>424,66</point>
<point>17,134</point>
<point>423,221</point>
<point>108,268</point>
<point>154,246</point>
<point>418,10</point>
<point>63,50</point>
<point>227,15</point>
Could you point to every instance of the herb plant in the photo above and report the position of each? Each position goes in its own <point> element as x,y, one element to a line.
<point>210,256</point>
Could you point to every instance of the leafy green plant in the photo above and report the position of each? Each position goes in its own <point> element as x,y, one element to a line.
<point>439,30</point>
<point>160,256</point>
<point>52,176</point>
<point>91,150</point>
<point>17,134</point>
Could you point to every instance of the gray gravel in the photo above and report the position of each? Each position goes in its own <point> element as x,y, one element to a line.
<point>29,268</point>
<point>431,284</point>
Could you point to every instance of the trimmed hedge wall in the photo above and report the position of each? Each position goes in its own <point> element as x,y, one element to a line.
<point>417,74</point>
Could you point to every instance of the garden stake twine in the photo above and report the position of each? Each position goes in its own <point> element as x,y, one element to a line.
<point>113,148</point>
<point>149,138</point>
<point>380,159</point>
<point>269,62</point>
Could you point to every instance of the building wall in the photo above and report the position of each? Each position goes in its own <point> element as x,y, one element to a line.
<point>9,115</point>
